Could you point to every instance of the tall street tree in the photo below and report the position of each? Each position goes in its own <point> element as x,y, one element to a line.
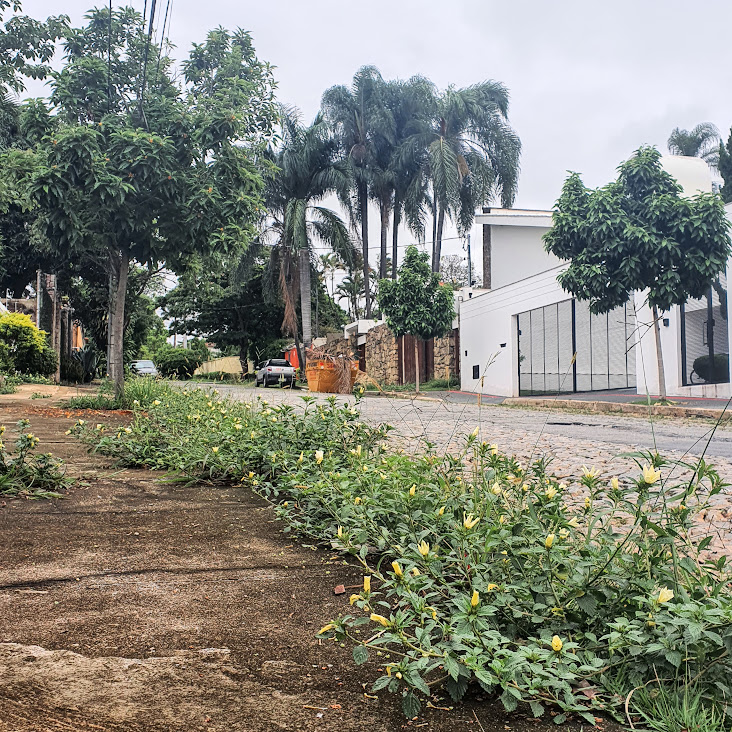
<point>142,169</point>
<point>638,234</point>
<point>353,112</point>
<point>307,169</point>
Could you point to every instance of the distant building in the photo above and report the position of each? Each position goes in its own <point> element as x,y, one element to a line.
<point>520,336</point>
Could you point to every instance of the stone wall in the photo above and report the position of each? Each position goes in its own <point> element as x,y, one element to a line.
<point>445,356</point>
<point>382,355</point>
<point>337,345</point>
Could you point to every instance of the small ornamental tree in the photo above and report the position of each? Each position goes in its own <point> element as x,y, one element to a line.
<point>638,233</point>
<point>416,303</point>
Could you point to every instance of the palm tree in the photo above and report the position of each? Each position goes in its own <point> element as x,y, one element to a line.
<point>472,155</point>
<point>700,142</point>
<point>331,263</point>
<point>351,289</point>
<point>307,170</point>
<point>352,111</point>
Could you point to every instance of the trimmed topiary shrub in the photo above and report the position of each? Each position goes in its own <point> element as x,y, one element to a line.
<point>179,363</point>
<point>718,371</point>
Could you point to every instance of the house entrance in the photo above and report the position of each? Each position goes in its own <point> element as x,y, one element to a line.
<point>548,338</point>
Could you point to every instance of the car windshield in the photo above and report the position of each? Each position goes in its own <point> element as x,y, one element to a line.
<point>279,362</point>
<point>144,365</point>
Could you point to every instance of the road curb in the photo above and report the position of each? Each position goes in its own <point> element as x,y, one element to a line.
<point>401,395</point>
<point>619,407</point>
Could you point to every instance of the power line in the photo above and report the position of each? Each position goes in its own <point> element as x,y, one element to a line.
<point>162,40</point>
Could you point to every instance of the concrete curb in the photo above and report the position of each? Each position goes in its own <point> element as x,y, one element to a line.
<point>401,395</point>
<point>618,407</point>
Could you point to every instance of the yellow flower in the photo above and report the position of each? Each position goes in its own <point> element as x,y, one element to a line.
<point>339,533</point>
<point>563,533</point>
<point>469,522</point>
<point>365,468</point>
<point>475,599</point>
<point>615,483</point>
<point>250,475</point>
<point>252,434</point>
<point>551,491</point>
<point>237,427</point>
<point>81,422</point>
<point>502,518</point>
<point>397,569</point>
<point>590,472</point>
<point>424,548</point>
<point>214,449</point>
<point>353,598</point>
<point>412,490</point>
<point>357,500</point>
<point>573,522</point>
<point>549,541</point>
<point>491,587</point>
<point>156,402</point>
<point>415,572</point>
<point>496,489</point>
<point>319,456</point>
<point>475,432</point>
<point>326,628</point>
<point>367,583</point>
<point>441,511</point>
<point>358,450</point>
<point>388,670</point>
<point>650,474</point>
<point>665,595</point>
<point>587,502</point>
<point>557,644</point>
<point>379,619</point>
<point>494,449</point>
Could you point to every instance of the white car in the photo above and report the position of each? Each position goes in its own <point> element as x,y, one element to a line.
<point>275,371</point>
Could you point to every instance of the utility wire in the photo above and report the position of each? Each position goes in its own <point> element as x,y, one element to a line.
<point>144,64</point>
<point>109,60</point>
<point>162,41</point>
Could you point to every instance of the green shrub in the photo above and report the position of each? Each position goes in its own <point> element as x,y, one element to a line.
<point>719,371</point>
<point>23,347</point>
<point>139,393</point>
<point>480,570</point>
<point>23,474</point>
<point>179,363</point>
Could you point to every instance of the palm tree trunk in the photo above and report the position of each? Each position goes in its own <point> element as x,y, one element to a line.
<point>395,237</point>
<point>364,201</point>
<point>437,250</point>
<point>434,217</point>
<point>659,355</point>
<point>305,298</point>
<point>384,210</point>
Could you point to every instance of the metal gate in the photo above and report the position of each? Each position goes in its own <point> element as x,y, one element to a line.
<point>705,337</point>
<point>550,336</point>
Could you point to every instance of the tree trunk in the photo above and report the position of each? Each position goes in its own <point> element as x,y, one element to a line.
<point>364,201</point>
<point>118,272</point>
<point>416,364</point>
<point>434,217</point>
<point>659,354</point>
<point>437,250</point>
<point>305,297</point>
<point>384,210</point>
<point>395,238</point>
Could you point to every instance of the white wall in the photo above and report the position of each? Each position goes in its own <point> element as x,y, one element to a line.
<point>488,321</point>
<point>518,252</point>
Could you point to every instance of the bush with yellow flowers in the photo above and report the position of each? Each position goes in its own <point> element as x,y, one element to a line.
<point>479,570</point>
<point>25,473</point>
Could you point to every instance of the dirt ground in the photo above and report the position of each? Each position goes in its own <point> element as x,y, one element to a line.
<point>137,603</point>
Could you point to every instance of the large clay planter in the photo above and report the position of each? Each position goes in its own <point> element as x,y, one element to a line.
<point>325,378</point>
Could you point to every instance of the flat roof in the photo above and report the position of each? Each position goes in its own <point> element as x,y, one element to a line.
<point>514,217</point>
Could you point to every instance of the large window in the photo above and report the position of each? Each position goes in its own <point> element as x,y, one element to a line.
<point>705,337</point>
<point>551,335</point>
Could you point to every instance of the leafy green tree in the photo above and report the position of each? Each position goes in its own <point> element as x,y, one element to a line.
<point>416,303</point>
<point>141,169</point>
<point>700,142</point>
<point>724,166</point>
<point>23,347</point>
<point>307,171</point>
<point>229,303</point>
<point>638,233</point>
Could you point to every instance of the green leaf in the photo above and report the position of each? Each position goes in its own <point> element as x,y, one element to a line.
<point>509,701</point>
<point>360,655</point>
<point>536,709</point>
<point>411,705</point>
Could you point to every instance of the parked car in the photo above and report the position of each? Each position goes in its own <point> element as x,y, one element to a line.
<point>275,371</point>
<point>143,368</point>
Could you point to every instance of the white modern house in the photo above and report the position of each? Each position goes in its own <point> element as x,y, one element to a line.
<point>519,337</point>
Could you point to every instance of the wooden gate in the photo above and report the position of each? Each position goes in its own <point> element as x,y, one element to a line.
<point>405,354</point>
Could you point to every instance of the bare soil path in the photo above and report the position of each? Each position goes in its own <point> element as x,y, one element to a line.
<point>137,604</point>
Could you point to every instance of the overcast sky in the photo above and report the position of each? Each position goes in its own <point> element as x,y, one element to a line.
<point>590,81</point>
